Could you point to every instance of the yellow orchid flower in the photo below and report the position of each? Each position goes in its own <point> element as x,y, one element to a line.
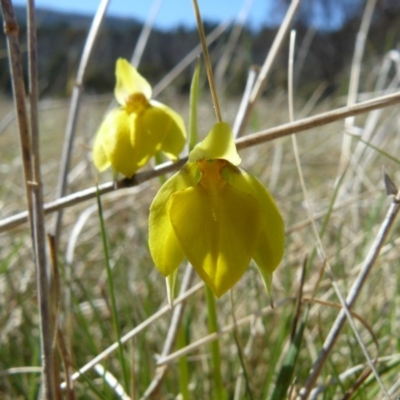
<point>217,216</point>
<point>131,134</point>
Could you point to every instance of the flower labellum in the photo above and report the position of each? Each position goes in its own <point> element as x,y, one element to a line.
<point>217,216</point>
<point>132,133</point>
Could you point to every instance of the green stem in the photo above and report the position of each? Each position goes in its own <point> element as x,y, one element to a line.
<point>183,365</point>
<point>112,293</point>
<point>219,391</point>
<point>159,160</point>
<point>194,97</point>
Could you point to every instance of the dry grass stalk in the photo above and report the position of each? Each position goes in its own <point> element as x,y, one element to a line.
<point>251,140</point>
<point>353,294</point>
<point>355,79</point>
<point>74,112</point>
<point>175,323</point>
<point>237,29</point>
<point>223,331</point>
<point>31,160</point>
<point>188,59</point>
<point>267,66</point>
<point>242,143</point>
<point>307,199</point>
<point>145,33</point>
<point>133,333</point>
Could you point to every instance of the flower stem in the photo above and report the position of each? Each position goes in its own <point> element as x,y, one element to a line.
<point>207,61</point>
<point>183,365</point>
<point>159,160</point>
<point>194,96</point>
<point>112,293</point>
<point>219,391</point>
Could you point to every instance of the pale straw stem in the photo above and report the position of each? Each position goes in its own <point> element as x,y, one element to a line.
<point>207,61</point>
<point>241,143</point>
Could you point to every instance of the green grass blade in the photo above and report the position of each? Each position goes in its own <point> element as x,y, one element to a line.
<point>285,375</point>
<point>194,96</point>
<point>183,364</point>
<point>377,149</point>
<point>112,293</point>
<point>219,391</point>
<point>249,391</point>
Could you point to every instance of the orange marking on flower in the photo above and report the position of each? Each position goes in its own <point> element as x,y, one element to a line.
<point>212,181</point>
<point>136,103</point>
<point>211,175</point>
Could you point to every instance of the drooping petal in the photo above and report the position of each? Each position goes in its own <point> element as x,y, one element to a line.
<point>267,281</point>
<point>170,281</point>
<point>164,247</point>
<point>175,132</point>
<point>148,133</point>
<point>218,230</point>
<point>115,134</point>
<point>129,82</point>
<point>218,144</point>
<point>270,245</point>
<point>100,158</point>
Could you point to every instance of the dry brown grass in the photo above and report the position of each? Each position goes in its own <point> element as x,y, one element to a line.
<point>348,214</point>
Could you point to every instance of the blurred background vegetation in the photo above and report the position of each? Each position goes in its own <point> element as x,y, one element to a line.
<point>350,218</point>
<point>327,51</point>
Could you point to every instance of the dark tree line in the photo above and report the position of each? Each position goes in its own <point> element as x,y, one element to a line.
<point>322,55</point>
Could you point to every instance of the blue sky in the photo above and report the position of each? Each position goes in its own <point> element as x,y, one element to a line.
<point>180,12</point>
<point>172,12</point>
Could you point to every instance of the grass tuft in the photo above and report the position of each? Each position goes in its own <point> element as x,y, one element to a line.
<point>114,323</point>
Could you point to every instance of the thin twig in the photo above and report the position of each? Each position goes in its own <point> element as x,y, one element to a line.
<point>192,55</point>
<point>112,382</point>
<point>11,30</point>
<point>165,309</point>
<point>241,143</point>
<point>46,326</point>
<point>171,335</point>
<point>88,194</point>
<point>21,370</point>
<point>145,33</point>
<point>31,163</point>
<point>244,368</point>
<point>223,331</point>
<point>355,79</point>
<point>353,294</point>
<point>231,45</point>
<point>317,120</point>
<point>207,60</point>
<point>310,212</point>
<point>251,78</point>
<point>66,359</point>
<point>269,61</point>
<point>74,112</point>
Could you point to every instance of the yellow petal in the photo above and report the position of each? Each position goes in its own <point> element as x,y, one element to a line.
<point>164,247</point>
<point>129,81</point>
<point>148,132</point>
<point>158,130</point>
<point>100,158</point>
<point>218,228</point>
<point>127,140</point>
<point>132,139</point>
<point>270,246</point>
<point>218,143</point>
<point>115,134</point>
<point>267,280</point>
<point>171,284</point>
<point>175,132</point>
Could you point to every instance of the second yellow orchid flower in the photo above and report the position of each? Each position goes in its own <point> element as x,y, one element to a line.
<point>217,216</point>
<point>131,134</point>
